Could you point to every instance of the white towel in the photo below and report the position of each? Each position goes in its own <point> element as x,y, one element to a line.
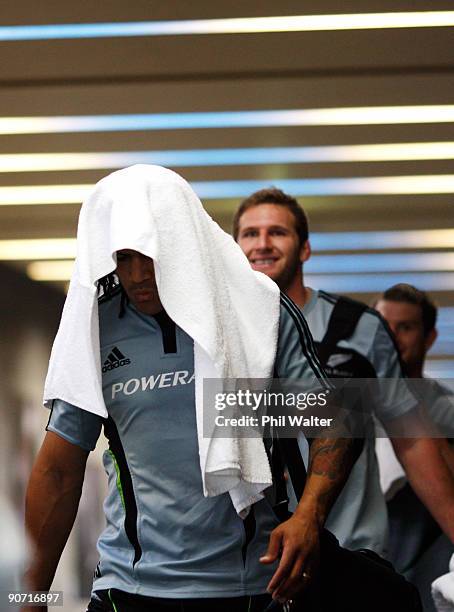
<point>392,475</point>
<point>443,590</point>
<point>205,284</point>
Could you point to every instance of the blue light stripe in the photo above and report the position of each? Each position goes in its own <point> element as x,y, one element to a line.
<point>378,115</point>
<point>209,190</point>
<point>440,369</point>
<point>371,283</point>
<point>280,23</point>
<point>447,336</point>
<point>351,241</point>
<point>445,316</point>
<point>83,30</point>
<point>153,121</point>
<point>367,240</point>
<point>380,262</point>
<point>385,185</point>
<point>174,158</point>
<point>443,347</point>
<point>177,158</point>
<point>442,183</point>
<point>42,162</point>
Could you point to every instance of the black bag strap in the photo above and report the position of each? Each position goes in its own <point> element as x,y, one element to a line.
<point>295,465</point>
<point>342,323</point>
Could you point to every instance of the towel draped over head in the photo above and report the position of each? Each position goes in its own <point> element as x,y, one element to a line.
<point>205,284</point>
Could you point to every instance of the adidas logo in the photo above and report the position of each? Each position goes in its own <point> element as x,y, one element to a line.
<point>115,359</point>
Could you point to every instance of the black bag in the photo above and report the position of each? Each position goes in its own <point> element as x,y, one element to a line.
<point>342,323</point>
<point>347,581</point>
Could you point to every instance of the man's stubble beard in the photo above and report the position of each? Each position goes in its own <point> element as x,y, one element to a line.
<point>287,277</point>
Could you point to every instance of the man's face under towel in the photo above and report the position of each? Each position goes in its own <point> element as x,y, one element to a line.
<point>137,277</point>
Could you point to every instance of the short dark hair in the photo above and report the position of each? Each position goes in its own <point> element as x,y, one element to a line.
<point>411,295</point>
<point>272,195</point>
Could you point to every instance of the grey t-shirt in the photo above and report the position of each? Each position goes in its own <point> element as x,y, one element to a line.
<point>359,518</point>
<point>437,407</point>
<point>163,538</point>
<point>438,402</point>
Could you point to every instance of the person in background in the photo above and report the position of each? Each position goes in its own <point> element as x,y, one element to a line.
<point>272,229</point>
<point>412,316</point>
<point>418,548</point>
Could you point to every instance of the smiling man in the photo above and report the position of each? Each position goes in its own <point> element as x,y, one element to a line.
<point>272,230</point>
<point>274,235</point>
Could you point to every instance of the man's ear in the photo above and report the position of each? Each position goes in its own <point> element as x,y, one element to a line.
<point>430,338</point>
<point>305,251</point>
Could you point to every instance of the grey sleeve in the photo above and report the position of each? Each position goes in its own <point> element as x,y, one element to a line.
<point>437,403</point>
<point>442,414</point>
<point>296,354</point>
<point>394,395</point>
<point>75,425</point>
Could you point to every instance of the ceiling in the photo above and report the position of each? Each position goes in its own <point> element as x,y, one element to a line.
<point>166,76</point>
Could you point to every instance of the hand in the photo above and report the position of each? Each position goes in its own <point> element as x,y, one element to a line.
<point>297,542</point>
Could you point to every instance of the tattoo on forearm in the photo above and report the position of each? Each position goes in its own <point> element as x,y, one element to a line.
<point>331,457</point>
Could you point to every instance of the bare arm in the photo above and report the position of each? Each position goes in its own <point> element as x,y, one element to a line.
<point>432,429</point>
<point>430,477</point>
<point>52,500</point>
<point>447,452</point>
<point>297,540</point>
<point>330,462</point>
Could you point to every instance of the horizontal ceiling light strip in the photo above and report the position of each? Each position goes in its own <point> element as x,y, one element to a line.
<point>43,194</point>
<point>44,162</point>
<point>443,348</point>
<point>50,270</point>
<point>447,334</point>
<point>343,283</point>
<point>384,185</point>
<point>446,316</point>
<point>367,115</point>
<point>62,248</point>
<point>347,283</point>
<point>374,283</point>
<point>37,248</point>
<point>405,239</point>
<point>245,25</point>
<point>381,262</point>
<point>440,369</point>
<point>354,264</point>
